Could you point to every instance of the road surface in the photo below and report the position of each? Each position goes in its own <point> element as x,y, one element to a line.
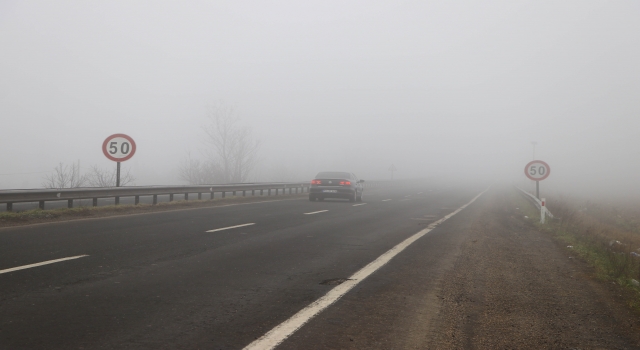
<point>222,277</point>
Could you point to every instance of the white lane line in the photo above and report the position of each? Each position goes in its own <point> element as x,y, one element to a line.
<point>230,227</point>
<point>41,263</point>
<point>315,212</point>
<point>355,205</point>
<point>282,331</point>
<point>384,200</point>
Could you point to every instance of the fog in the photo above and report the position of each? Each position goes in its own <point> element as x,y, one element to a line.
<point>452,90</point>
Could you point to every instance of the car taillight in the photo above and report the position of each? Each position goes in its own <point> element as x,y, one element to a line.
<point>345,183</point>
<point>316,182</point>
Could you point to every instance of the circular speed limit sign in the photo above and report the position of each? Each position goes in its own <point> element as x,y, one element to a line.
<point>537,170</point>
<point>119,147</point>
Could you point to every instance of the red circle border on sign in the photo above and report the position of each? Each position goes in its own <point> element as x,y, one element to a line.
<point>106,141</point>
<point>533,162</point>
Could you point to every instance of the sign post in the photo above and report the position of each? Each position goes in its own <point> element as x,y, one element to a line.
<point>392,168</point>
<point>118,148</point>
<point>537,171</point>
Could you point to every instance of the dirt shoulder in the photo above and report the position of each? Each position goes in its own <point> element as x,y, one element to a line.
<point>515,287</point>
<point>30,217</point>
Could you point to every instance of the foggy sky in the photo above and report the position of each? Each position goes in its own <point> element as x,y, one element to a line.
<point>442,89</point>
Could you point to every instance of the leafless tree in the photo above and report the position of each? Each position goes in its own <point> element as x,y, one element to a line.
<point>197,172</point>
<point>99,177</point>
<point>65,176</point>
<point>230,144</point>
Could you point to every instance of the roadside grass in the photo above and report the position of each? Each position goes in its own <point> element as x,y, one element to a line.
<point>605,236</point>
<point>62,214</point>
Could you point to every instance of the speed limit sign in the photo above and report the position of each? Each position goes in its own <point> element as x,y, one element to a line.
<point>537,170</point>
<point>119,147</point>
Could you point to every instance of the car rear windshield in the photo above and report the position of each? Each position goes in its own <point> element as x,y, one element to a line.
<point>333,175</point>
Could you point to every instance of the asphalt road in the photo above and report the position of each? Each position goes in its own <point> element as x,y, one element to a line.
<point>160,280</point>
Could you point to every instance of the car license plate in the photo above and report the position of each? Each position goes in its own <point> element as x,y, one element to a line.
<point>330,191</point>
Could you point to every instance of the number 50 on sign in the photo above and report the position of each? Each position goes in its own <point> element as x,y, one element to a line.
<point>537,170</point>
<point>119,147</point>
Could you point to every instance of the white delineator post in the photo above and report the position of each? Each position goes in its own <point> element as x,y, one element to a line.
<point>543,209</point>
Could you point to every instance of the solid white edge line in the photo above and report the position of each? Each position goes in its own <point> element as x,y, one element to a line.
<point>41,263</point>
<point>355,205</point>
<point>230,227</point>
<point>384,200</point>
<point>315,212</point>
<point>282,331</point>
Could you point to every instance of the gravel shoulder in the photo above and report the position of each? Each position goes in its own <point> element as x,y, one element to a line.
<point>514,287</point>
<point>485,279</point>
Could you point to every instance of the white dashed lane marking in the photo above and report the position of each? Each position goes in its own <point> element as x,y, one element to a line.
<point>230,227</point>
<point>41,263</point>
<point>355,205</point>
<point>384,200</point>
<point>315,212</point>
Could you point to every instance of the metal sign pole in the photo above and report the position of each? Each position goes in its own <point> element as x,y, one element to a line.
<point>118,176</point>
<point>537,185</point>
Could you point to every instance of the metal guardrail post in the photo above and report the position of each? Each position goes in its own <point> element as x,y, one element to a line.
<point>171,197</point>
<point>155,199</point>
<point>186,196</point>
<point>211,196</point>
<point>199,196</point>
<point>253,193</point>
<point>9,206</point>
<point>41,205</point>
<point>537,202</point>
<point>117,200</point>
<point>244,194</point>
<point>233,193</point>
<point>137,200</point>
<point>70,203</point>
<point>261,192</point>
<point>95,202</point>
<point>223,194</point>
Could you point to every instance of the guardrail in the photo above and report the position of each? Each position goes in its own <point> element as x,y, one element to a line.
<point>70,194</point>
<point>536,201</point>
<point>9,197</point>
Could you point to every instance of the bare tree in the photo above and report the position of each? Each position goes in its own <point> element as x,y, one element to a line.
<point>197,172</point>
<point>99,177</point>
<point>230,144</point>
<point>65,176</point>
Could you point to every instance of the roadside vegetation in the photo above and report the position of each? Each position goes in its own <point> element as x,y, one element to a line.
<point>62,214</point>
<point>606,236</point>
